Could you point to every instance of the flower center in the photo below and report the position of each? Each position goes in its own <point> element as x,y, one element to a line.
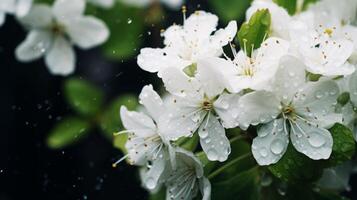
<point>207,105</point>
<point>57,29</point>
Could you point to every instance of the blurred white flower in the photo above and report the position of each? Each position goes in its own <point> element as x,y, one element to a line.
<point>52,31</point>
<point>187,179</point>
<point>296,108</point>
<point>18,7</point>
<point>185,45</point>
<point>145,144</point>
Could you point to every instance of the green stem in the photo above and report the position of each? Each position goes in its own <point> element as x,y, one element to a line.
<point>242,136</point>
<point>229,164</point>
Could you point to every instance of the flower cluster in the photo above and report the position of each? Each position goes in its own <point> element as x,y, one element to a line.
<point>287,87</point>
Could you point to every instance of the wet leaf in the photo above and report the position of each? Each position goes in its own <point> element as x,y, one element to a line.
<point>295,167</point>
<point>84,98</point>
<point>126,24</point>
<point>289,5</point>
<point>68,131</point>
<point>252,33</point>
<point>343,144</point>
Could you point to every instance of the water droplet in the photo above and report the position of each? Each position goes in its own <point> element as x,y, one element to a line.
<point>129,21</point>
<point>150,183</point>
<point>291,74</point>
<point>318,95</point>
<point>316,139</point>
<point>212,154</point>
<point>277,146</point>
<point>208,140</point>
<point>203,133</point>
<point>224,105</point>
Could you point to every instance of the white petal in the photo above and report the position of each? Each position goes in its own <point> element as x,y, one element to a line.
<point>23,7</point>
<point>152,176</point>
<point>139,123</point>
<point>152,102</point>
<point>205,187</point>
<point>271,143</point>
<point>316,102</point>
<point>40,16</point>
<point>87,32</point>
<point>66,10</point>
<point>155,60</point>
<point>257,107</point>
<point>211,73</point>
<point>2,18</point>
<point>223,36</point>
<point>180,120</point>
<point>34,46</point>
<point>201,23</point>
<point>314,142</point>
<point>60,59</point>
<point>289,78</point>
<point>178,83</point>
<point>213,139</point>
<point>226,107</point>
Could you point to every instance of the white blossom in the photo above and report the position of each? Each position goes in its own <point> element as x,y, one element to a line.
<point>187,179</point>
<point>52,31</point>
<point>173,4</point>
<point>255,72</point>
<point>296,108</point>
<point>186,44</point>
<point>145,143</point>
<point>200,104</point>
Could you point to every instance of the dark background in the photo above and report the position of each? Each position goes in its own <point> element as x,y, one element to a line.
<point>32,102</point>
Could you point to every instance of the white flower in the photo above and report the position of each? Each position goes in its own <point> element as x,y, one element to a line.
<point>103,3</point>
<point>18,7</point>
<point>145,143</point>
<point>173,4</point>
<point>53,30</point>
<point>200,106</point>
<point>296,108</point>
<point>187,179</point>
<point>185,45</point>
<point>321,51</point>
<point>253,72</point>
<point>280,18</point>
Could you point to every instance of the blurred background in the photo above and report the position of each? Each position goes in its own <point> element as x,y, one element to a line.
<point>37,163</point>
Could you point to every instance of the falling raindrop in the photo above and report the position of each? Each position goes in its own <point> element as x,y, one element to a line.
<point>129,21</point>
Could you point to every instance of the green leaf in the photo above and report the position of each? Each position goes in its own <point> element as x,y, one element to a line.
<point>230,10</point>
<point>68,131</point>
<point>84,98</point>
<point>110,120</point>
<point>190,70</point>
<point>252,33</point>
<point>328,195</point>
<point>344,98</point>
<point>120,141</point>
<point>307,3</point>
<point>295,167</point>
<point>242,186</point>
<point>289,5</point>
<point>126,24</point>
<point>160,195</point>
<point>343,145</point>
